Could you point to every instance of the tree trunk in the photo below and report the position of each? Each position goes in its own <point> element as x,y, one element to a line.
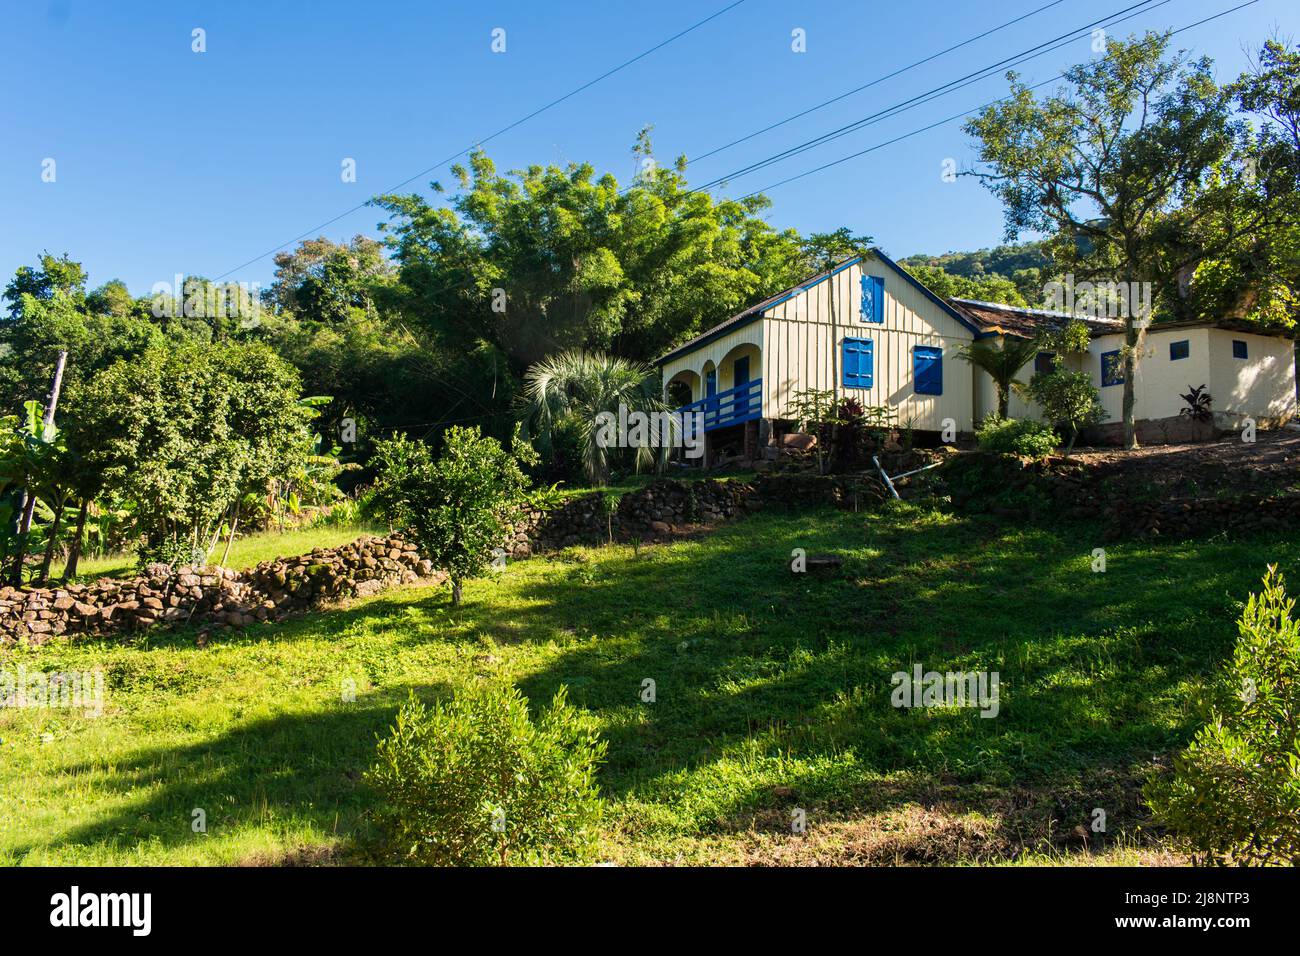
<point>1004,400</point>
<point>230,537</point>
<point>1132,339</point>
<point>49,545</point>
<point>24,525</point>
<point>74,552</point>
<point>455,592</point>
<point>1074,435</point>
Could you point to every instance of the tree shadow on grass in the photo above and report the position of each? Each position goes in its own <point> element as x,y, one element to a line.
<point>753,665</point>
<point>771,686</point>
<point>303,769</point>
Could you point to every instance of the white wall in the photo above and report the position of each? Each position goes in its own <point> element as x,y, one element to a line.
<point>1261,386</point>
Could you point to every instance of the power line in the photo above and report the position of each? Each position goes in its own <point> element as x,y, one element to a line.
<point>505,129</point>
<point>965,113</point>
<point>878,80</point>
<point>921,98</point>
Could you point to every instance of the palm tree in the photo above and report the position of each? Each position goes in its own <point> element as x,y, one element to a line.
<point>1002,363</point>
<point>569,389</point>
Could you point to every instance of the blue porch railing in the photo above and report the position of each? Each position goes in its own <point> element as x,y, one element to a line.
<point>740,404</point>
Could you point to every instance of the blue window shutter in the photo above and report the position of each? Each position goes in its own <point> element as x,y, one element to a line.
<point>873,299</point>
<point>1179,350</point>
<point>1239,348</point>
<point>1112,370</point>
<point>927,370</point>
<point>857,363</point>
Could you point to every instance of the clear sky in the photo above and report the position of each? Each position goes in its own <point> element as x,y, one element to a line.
<point>169,161</point>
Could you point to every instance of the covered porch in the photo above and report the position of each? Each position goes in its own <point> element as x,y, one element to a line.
<point>723,397</point>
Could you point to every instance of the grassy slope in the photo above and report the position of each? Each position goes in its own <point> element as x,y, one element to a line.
<point>246,551</point>
<point>772,692</point>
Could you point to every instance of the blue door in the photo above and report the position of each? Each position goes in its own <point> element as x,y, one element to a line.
<point>741,375</point>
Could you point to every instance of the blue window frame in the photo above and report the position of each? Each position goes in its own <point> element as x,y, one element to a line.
<point>857,359</point>
<point>1044,363</point>
<point>1112,370</point>
<point>1239,348</point>
<point>873,299</point>
<point>1179,350</point>
<point>927,370</point>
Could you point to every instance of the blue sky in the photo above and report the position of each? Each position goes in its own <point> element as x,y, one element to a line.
<point>172,161</point>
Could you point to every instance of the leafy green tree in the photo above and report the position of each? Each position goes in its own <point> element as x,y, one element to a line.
<point>1257,277</point>
<point>33,457</point>
<point>571,389</point>
<point>476,782</point>
<point>986,288</point>
<point>546,259</point>
<point>1233,796</point>
<point>59,323</point>
<point>1123,171</point>
<point>187,432</point>
<point>1001,362</point>
<point>459,507</point>
<point>1069,401</point>
<point>329,282</point>
<point>55,275</point>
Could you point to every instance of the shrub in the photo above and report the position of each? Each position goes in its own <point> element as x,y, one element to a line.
<point>1069,400</point>
<point>475,782</point>
<point>457,508</point>
<point>1016,436</point>
<point>1234,795</point>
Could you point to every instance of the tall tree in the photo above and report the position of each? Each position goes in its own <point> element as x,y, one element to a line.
<point>1138,153</point>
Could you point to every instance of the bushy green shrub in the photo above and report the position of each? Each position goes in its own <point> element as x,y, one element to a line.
<point>459,507</point>
<point>1234,795</point>
<point>475,782</point>
<point>1016,436</point>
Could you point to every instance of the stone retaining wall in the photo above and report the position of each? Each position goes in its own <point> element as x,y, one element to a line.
<point>211,596</point>
<point>669,507</point>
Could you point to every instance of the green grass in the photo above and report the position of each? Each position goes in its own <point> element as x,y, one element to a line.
<point>246,551</point>
<point>772,693</point>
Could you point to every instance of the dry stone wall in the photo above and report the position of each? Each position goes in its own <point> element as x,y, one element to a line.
<point>271,591</point>
<point>211,596</point>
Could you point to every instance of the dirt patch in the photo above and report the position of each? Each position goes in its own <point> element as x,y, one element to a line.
<point>298,856</point>
<point>1200,470</point>
<point>920,822</point>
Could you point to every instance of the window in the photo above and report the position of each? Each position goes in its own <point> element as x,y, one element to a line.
<point>1179,350</point>
<point>1112,371</point>
<point>711,382</point>
<point>873,299</point>
<point>1045,363</point>
<point>858,361</point>
<point>927,370</point>
<point>1238,348</point>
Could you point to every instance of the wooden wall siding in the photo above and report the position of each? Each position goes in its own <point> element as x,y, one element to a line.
<point>800,352</point>
<point>719,352</point>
